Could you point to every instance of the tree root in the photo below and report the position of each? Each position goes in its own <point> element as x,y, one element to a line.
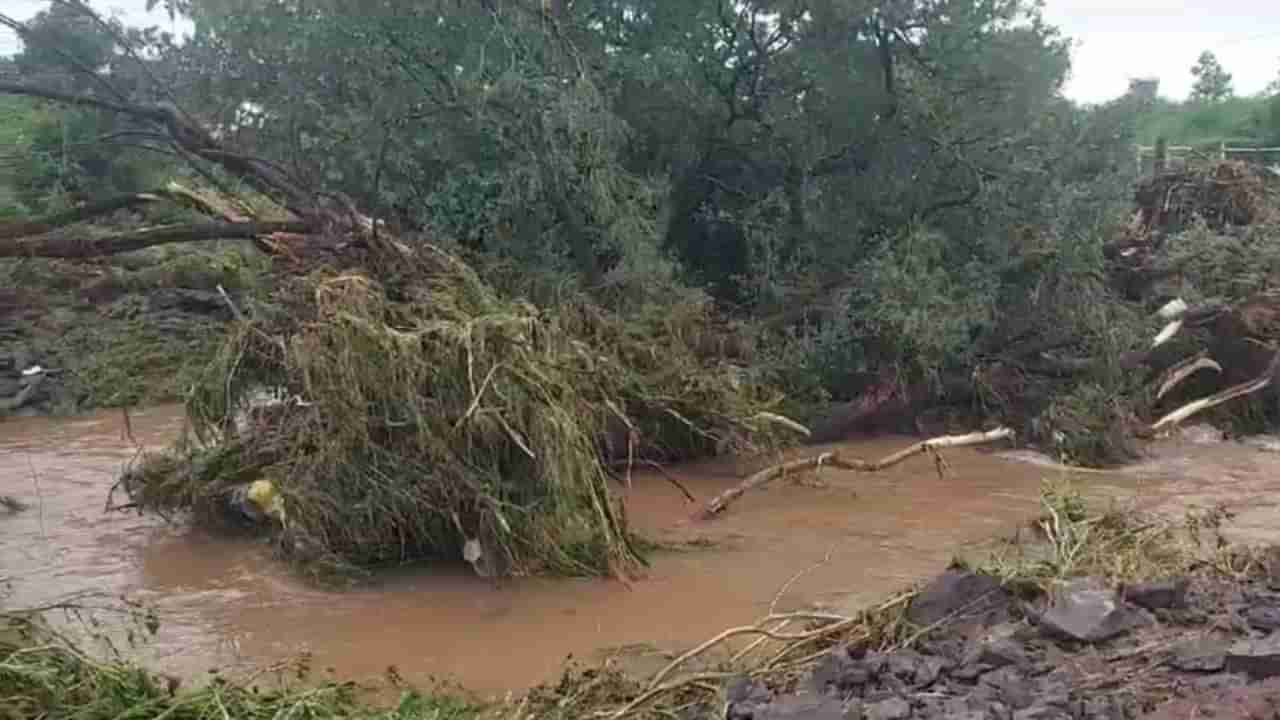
<point>833,458</point>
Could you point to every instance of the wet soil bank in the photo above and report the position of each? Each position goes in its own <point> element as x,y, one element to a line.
<point>1182,647</point>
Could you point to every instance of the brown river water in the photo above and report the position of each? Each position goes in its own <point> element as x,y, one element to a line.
<point>227,604</point>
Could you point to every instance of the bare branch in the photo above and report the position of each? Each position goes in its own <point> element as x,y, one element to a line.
<point>722,501</point>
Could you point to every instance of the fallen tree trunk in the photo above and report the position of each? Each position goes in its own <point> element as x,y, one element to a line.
<point>69,245</point>
<point>724,499</point>
<point>52,222</point>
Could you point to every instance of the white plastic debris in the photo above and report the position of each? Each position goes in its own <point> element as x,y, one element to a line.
<point>1173,309</point>
<point>1169,331</point>
<point>33,370</point>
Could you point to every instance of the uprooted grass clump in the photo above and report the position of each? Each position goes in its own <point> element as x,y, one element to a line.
<point>427,410</point>
<point>46,674</point>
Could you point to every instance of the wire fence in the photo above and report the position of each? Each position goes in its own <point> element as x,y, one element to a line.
<point>1180,155</point>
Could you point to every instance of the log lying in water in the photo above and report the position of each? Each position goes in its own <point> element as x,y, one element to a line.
<point>723,500</point>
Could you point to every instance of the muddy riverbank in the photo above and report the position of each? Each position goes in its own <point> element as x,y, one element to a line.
<point>228,604</point>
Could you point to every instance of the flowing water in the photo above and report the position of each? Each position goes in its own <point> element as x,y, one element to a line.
<point>835,540</point>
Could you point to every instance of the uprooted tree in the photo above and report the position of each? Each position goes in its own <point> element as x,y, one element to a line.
<point>440,413</point>
<point>881,208</point>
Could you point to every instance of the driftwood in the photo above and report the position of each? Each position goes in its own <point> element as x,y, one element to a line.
<point>1246,388</point>
<point>833,458</point>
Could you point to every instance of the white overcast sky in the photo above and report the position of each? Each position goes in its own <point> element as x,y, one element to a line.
<point>1116,39</point>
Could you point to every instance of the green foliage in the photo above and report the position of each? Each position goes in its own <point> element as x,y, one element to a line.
<point>1233,121</point>
<point>45,674</point>
<point>58,155</point>
<point>891,194</point>
<point>1213,82</point>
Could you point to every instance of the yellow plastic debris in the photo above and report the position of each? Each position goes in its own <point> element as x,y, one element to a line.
<point>263,494</point>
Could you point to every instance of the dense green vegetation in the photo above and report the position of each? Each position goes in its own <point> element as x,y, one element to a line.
<point>1236,122</point>
<point>1214,114</point>
<point>845,177</point>
<point>894,199</point>
<point>842,176</point>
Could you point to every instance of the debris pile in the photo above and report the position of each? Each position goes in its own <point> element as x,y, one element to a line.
<point>422,414</point>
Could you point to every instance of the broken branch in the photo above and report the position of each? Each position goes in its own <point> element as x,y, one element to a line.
<point>722,501</point>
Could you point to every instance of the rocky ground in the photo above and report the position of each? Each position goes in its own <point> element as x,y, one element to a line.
<point>1186,647</point>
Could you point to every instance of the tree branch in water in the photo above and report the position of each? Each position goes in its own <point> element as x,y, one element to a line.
<point>723,500</point>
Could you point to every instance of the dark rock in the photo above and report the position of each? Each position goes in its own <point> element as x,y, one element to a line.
<point>930,670</point>
<point>803,708</point>
<point>1221,681</point>
<point>957,593</point>
<point>891,709</point>
<point>958,707</point>
<point>1053,693</point>
<point>839,674</point>
<point>1207,655</point>
<point>1012,687</point>
<point>914,669</point>
<point>1083,612</point>
<point>1161,595</point>
<point>1105,708</point>
<point>1273,568</point>
<point>998,711</point>
<point>1000,653</point>
<point>970,672</point>
<point>747,699</point>
<point>1042,712</point>
<point>1264,617</point>
<point>1259,659</point>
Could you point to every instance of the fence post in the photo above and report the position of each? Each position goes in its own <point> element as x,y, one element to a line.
<point>1161,156</point>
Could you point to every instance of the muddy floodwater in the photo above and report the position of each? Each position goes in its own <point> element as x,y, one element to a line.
<point>228,604</point>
